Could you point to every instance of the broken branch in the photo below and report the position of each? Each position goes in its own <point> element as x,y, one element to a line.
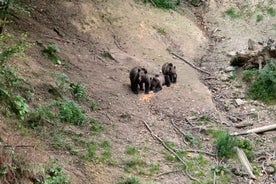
<point>171,151</point>
<point>245,162</point>
<point>192,65</point>
<point>256,130</point>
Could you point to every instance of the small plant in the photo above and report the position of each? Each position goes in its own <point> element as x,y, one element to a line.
<point>96,127</point>
<point>39,116</point>
<point>51,51</point>
<point>259,18</point>
<point>55,175</point>
<point>130,180</point>
<point>166,4</point>
<point>94,106</point>
<point>105,144</point>
<point>78,90</point>
<point>247,147</point>
<point>225,144</point>
<point>71,112</point>
<point>232,76</point>
<point>271,11</point>
<point>91,152</point>
<point>153,168</point>
<point>233,13</point>
<point>62,82</point>
<point>131,150</point>
<point>135,164</point>
<point>160,30</point>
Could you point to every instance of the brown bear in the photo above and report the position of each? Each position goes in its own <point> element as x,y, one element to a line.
<point>139,76</point>
<point>170,70</point>
<point>158,81</point>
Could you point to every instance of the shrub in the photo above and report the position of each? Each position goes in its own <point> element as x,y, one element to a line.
<point>225,144</point>
<point>55,175</point>
<point>259,18</point>
<point>71,112</point>
<point>249,75</point>
<point>264,87</point>
<point>78,90</point>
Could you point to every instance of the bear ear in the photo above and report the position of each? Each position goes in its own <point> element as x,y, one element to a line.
<point>170,64</point>
<point>145,70</point>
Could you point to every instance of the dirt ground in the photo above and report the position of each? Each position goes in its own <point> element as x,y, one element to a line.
<point>133,33</point>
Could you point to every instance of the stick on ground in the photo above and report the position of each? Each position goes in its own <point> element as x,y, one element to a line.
<point>192,65</point>
<point>171,151</point>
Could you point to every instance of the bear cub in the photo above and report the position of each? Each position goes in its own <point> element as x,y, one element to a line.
<point>170,70</point>
<point>158,81</point>
<point>138,77</point>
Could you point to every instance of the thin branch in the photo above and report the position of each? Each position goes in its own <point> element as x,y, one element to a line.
<point>198,151</point>
<point>168,172</point>
<point>192,65</point>
<point>171,151</point>
<point>257,130</point>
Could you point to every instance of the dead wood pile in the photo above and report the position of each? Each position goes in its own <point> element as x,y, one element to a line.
<point>256,56</point>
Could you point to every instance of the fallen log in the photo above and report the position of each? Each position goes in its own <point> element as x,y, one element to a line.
<point>256,130</point>
<point>245,162</point>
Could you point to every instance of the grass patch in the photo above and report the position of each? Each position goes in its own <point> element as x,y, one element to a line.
<point>233,13</point>
<point>129,180</point>
<point>93,105</point>
<point>130,150</point>
<point>96,127</point>
<point>249,75</point>
<point>77,90</point>
<point>271,11</point>
<point>259,18</point>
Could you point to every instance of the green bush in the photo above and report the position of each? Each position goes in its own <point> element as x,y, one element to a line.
<point>271,11</point>
<point>71,112</point>
<point>78,90</point>
<point>264,87</point>
<point>166,4</point>
<point>225,144</point>
<point>249,75</point>
<point>55,175</point>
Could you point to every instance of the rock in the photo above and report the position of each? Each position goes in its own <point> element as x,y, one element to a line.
<point>270,170</point>
<point>230,68</point>
<point>239,102</point>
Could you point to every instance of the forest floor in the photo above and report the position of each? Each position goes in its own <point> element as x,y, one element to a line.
<point>99,42</point>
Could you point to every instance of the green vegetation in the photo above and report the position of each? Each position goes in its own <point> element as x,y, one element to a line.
<point>71,112</point>
<point>259,18</point>
<point>130,150</point>
<point>129,180</point>
<point>165,4</point>
<point>271,11</point>
<point>249,75</point>
<point>226,145</point>
<point>55,175</point>
<point>94,106</point>
<point>233,13</point>
<point>160,30</point>
<point>11,85</point>
<point>78,90</point>
<point>96,127</point>
<point>264,86</point>
<point>51,51</point>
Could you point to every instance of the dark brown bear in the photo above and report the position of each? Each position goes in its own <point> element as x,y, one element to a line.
<point>170,70</point>
<point>139,76</point>
<point>158,81</point>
